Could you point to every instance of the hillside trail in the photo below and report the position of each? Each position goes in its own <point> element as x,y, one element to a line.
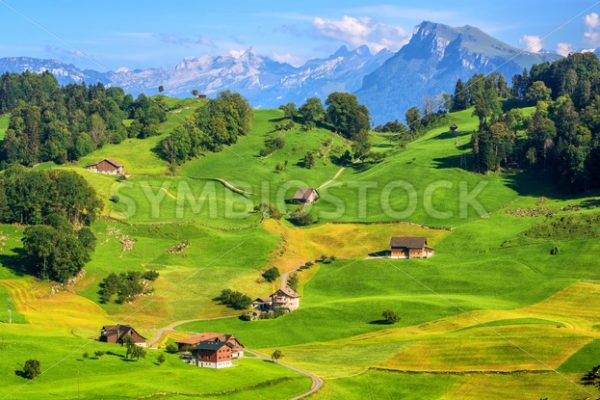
<point>316,382</point>
<point>330,181</point>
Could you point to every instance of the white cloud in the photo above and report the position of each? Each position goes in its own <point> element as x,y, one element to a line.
<point>532,43</point>
<point>287,58</point>
<point>592,23</point>
<point>362,31</point>
<point>564,49</point>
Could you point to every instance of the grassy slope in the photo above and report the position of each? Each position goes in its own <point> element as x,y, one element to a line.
<point>4,120</point>
<point>476,305</point>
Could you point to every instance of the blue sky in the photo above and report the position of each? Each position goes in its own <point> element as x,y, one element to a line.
<point>111,34</point>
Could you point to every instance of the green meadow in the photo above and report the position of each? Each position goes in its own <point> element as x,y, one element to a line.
<point>493,313</point>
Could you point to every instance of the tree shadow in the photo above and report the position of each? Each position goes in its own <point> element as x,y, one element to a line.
<point>19,263</point>
<point>380,322</point>
<point>461,161</point>
<point>380,253</point>
<point>452,135</point>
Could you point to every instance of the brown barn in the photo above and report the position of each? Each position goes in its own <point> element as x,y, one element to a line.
<point>305,196</point>
<point>410,247</point>
<point>107,166</point>
<point>237,348</point>
<point>209,354</point>
<point>120,334</point>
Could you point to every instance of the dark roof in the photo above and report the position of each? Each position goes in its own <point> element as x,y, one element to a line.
<point>212,346</point>
<point>113,162</point>
<point>408,242</point>
<point>119,330</point>
<point>262,300</point>
<point>108,160</point>
<point>453,127</point>
<point>304,193</point>
<point>288,292</point>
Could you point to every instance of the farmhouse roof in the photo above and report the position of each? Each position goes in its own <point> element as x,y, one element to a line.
<point>108,160</point>
<point>211,345</point>
<point>118,330</point>
<point>304,193</point>
<point>408,242</point>
<point>286,291</point>
<point>262,300</point>
<point>211,337</point>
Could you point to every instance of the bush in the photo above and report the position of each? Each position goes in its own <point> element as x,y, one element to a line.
<point>160,359</point>
<point>390,317</point>
<point>234,299</point>
<point>31,369</point>
<point>99,353</point>
<point>293,281</point>
<point>271,274</point>
<point>115,199</point>
<point>86,355</point>
<point>301,219</point>
<point>150,275</point>
<point>172,348</point>
<point>554,251</point>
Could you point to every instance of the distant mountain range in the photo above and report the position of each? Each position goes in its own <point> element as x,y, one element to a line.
<point>436,56</point>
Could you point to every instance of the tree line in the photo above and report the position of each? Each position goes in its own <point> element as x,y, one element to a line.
<point>562,136</point>
<point>50,122</point>
<point>219,123</point>
<point>57,206</point>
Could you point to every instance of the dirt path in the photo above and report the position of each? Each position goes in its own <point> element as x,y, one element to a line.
<point>317,382</point>
<point>332,179</point>
<point>171,327</point>
<point>228,185</point>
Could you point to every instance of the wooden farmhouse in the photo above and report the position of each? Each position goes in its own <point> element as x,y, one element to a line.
<point>188,344</point>
<point>410,247</point>
<point>107,166</point>
<point>209,354</point>
<point>285,298</point>
<point>120,334</point>
<point>262,303</point>
<point>305,196</point>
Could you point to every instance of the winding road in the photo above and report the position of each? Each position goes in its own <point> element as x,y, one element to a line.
<point>317,382</point>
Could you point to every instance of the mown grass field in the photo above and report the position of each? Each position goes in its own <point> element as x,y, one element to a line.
<point>491,315</point>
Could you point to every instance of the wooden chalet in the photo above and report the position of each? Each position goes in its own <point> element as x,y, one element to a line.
<point>305,196</point>
<point>262,303</point>
<point>120,334</point>
<point>107,166</point>
<point>188,344</point>
<point>410,247</point>
<point>212,354</point>
<point>285,298</point>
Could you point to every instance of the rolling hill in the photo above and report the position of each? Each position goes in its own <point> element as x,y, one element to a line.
<point>492,314</point>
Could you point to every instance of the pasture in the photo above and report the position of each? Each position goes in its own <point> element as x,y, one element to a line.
<point>493,313</point>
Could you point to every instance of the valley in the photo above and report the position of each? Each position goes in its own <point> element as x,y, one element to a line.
<point>493,313</point>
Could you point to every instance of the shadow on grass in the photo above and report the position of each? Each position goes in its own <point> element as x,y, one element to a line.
<point>380,322</point>
<point>461,161</point>
<point>18,262</point>
<point>380,253</point>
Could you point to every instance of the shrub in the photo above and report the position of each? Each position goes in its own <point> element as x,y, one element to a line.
<point>234,299</point>
<point>301,219</point>
<point>271,274</point>
<point>160,359</point>
<point>31,369</point>
<point>293,281</point>
<point>86,355</point>
<point>554,251</point>
<point>115,199</point>
<point>390,317</point>
<point>99,353</point>
<point>150,275</point>
<point>172,348</point>
<point>276,355</point>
